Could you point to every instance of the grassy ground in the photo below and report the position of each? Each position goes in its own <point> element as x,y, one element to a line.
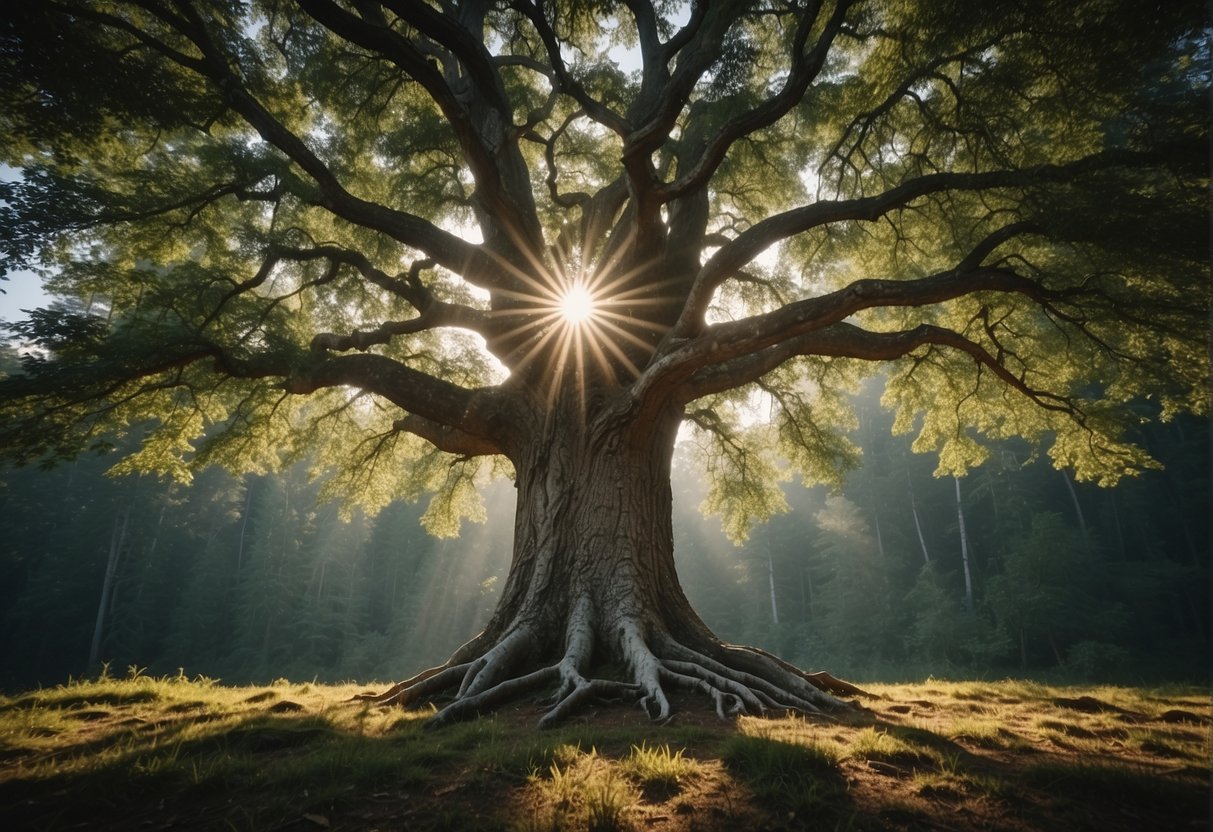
<point>142,753</point>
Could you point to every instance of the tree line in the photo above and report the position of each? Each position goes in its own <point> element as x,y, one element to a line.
<point>254,578</point>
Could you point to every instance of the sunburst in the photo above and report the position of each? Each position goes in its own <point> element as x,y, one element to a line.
<point>577,305</point>
<point>578,316</point>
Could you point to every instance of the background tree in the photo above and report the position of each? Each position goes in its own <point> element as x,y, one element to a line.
<point>423,241</point>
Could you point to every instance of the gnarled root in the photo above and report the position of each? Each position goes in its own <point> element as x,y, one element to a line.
<point>737,680</point>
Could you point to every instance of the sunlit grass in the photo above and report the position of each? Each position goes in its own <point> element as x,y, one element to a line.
<point>582,790</point>
<point>262,756</point>
<point>657,769</point>
<point>986,733</point>
<point>877,744</point>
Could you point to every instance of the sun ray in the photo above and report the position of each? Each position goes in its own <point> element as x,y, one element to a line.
<point>623,333</point>
<point>581,320</point>
<point>562,355</point>
<point>639,323</point>
<point>617,351</point>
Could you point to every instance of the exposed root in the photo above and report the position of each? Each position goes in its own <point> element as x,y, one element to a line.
<point>646,670</point>
<point>585,691</point>
<point>824,681</point>
<point>476,704</point>
<point>727,704</point>
<point>426,683</point>
<point>737,680</point>
<point>779,694</point>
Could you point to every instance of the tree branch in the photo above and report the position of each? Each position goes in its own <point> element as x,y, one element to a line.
<point>566,83</point>
<point>448,439</point>
<point>846,340</point>
<point>505,205</point>
<point>438,314</point>
<point>414,391</point>
<point>804,68</point>
<point>695,56</point>
<point>446,248</point>
<point>722,342</point>
<point>752,242</point>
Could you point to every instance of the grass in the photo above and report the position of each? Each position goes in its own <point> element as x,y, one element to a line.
<point>114,753</point>
<point>659,772</point>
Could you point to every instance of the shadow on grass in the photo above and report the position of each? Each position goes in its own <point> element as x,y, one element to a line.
<point>254,772</point>
<point>797,782</point>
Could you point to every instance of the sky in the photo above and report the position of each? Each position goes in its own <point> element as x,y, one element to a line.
<point>22,290</point>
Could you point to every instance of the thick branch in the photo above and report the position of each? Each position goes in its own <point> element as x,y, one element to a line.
<point>722,342</point>
<point>565,82</point>
<point>484,161</point>
<point>448,439</point>
<point>752,242</point>
<point>695,57</point>
<point>447,249</point>
<point>849,341</point>
<point>476,60</point>
<point>664,95</point>
<point>804,68</point>
<point>415,391</point>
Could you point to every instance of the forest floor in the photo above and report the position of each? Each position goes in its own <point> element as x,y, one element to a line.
<point>144,753</point>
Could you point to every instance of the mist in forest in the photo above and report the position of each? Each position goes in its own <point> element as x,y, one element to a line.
<point>1013,570</point>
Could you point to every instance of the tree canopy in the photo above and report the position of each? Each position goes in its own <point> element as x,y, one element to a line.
<point>382,205</point>
<point>416,238</point>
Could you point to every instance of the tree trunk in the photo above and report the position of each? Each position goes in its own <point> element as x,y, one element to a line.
<point>1082,520</point>
<point>592,584</point>
<point>922,541</point>
<point>964,551</point>
<point>771,583</point>
<point>117,541</point>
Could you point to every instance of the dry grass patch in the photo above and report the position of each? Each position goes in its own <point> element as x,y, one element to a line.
<point>986,733</point>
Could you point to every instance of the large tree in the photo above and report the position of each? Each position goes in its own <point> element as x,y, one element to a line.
<point>409,239</point>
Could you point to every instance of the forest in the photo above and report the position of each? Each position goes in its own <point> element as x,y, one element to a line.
<point>1012,571</point>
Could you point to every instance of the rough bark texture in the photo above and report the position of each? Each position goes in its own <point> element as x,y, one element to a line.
<point>593,587</point>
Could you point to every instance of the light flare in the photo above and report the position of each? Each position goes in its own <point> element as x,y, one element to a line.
<point>577,305</point>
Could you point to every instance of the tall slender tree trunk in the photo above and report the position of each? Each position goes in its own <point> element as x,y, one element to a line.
<point>922,541</point>
<point>248,503</point>
<point>964,550</point>
<point>117,541</point>
<point>771,581</point>
<point>1082,520</point>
